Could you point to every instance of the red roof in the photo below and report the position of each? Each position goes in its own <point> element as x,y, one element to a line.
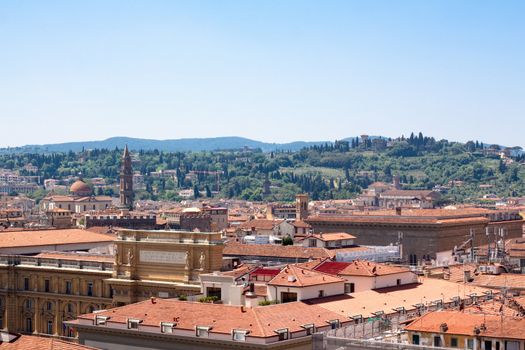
<point>359,268</point>
<point>265,272</point>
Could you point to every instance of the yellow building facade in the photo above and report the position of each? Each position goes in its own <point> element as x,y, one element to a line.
<point>38,293</point>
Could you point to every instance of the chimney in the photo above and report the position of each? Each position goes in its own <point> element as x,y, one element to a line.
<point>398,210</point>
<point>153,300</point>
<point>466,276</point>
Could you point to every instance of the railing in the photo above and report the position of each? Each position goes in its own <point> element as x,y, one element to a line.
<point>323,342</point>
<point>57,263</point>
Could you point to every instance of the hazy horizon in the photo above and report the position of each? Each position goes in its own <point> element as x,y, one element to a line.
<point>269,71</point>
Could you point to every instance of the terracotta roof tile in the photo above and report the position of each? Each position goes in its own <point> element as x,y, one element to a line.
<point>465,323</point>
<point>294,276</point>
<point>31,342</point>
<point>28,238</point>
<point>359,268</point>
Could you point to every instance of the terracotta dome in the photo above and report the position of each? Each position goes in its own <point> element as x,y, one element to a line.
<point>80,188</point>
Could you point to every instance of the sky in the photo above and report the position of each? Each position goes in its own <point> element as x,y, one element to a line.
<point>269,70</point>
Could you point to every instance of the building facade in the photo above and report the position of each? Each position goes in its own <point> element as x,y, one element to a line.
<point>38,293</point>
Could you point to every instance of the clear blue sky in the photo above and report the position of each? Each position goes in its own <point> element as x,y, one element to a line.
<point>269,70</point>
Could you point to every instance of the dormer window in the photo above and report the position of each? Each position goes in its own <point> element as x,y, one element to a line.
<point>133,323</point>
<point>167,327</point>
<point>357,319</point>
<point>309,328</point>
<point>283,333</point>
<point>101,320</point>
<point>334,324</point>
<point>239,334</point>
<point>202,331</point>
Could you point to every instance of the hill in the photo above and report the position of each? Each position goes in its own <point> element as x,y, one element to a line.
<point>175,145</point>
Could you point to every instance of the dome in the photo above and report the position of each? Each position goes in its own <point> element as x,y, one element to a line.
<point>80,188</point>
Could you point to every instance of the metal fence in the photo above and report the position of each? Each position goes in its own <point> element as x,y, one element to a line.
<point>324,342</point>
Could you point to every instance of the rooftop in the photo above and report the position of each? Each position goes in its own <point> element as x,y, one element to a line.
<point>294,276</point>
<point>259,321</point>
<point>387,299</point>
<point>29,238</point>
<point>32,342</point>
<point>359,268</point>
<point>465,323</point>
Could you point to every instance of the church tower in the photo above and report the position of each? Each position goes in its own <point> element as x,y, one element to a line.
<point>126,181</point>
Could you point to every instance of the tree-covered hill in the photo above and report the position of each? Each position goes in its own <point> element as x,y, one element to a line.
<point>332,170</point>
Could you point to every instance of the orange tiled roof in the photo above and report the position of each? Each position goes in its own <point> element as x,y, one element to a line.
<point>295,276</point>
<point>326,237</point>
<point>301,224</point>
<point>386,299</point>
<point>260,224</point>
<point>32,342</point>
<point>465,323</point>
<point>27,238</point>
<point>359,268</point>
<point>274,250</point>
<point>259,321</point>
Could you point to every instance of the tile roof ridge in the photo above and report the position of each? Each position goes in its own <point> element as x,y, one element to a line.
<point>258,321</point>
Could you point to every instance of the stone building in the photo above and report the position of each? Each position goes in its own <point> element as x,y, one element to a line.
<point>424,234</point>
<point>38,293</point>
<point>162,263</point>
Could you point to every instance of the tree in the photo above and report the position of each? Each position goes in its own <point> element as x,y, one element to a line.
<point>287,240</point>
<point>196,193</point>
<point>502,167</point>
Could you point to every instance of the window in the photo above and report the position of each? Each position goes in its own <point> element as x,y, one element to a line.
<point>398,281</point>
<point>70,332</point>
<point>166,327</point>
<point>29,304</point>
<point>415,339</point>
<point>454,342</point>
<point>309,328</point>
<point>29,325</point>
<point>349,288</point>
<point>512,345</point>
<point>321,293</point>
<point>239,335</point>
<point>101,320</point>
<point>26,283</point>
<point>69,308</point>
<point>312,243</point>
<point>437,341</point>
<point>49,327</point>
<point>213,292</point>
<point>282,333</point>
<point>133,323</point>
<point>202,331</point>
<point>90,289</point>
<point>334,324</point>
<point>488,344</point>
<point>49,306</point>
<point>287,297</point>
<point>46,286</point>
<point>470,343</point>
<point>68,287</point>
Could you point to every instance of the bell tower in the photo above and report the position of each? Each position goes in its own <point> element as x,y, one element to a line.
<point>126,181</point>
<point>301,206</point>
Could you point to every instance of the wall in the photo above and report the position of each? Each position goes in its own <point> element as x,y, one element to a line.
<point>311,292</point>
